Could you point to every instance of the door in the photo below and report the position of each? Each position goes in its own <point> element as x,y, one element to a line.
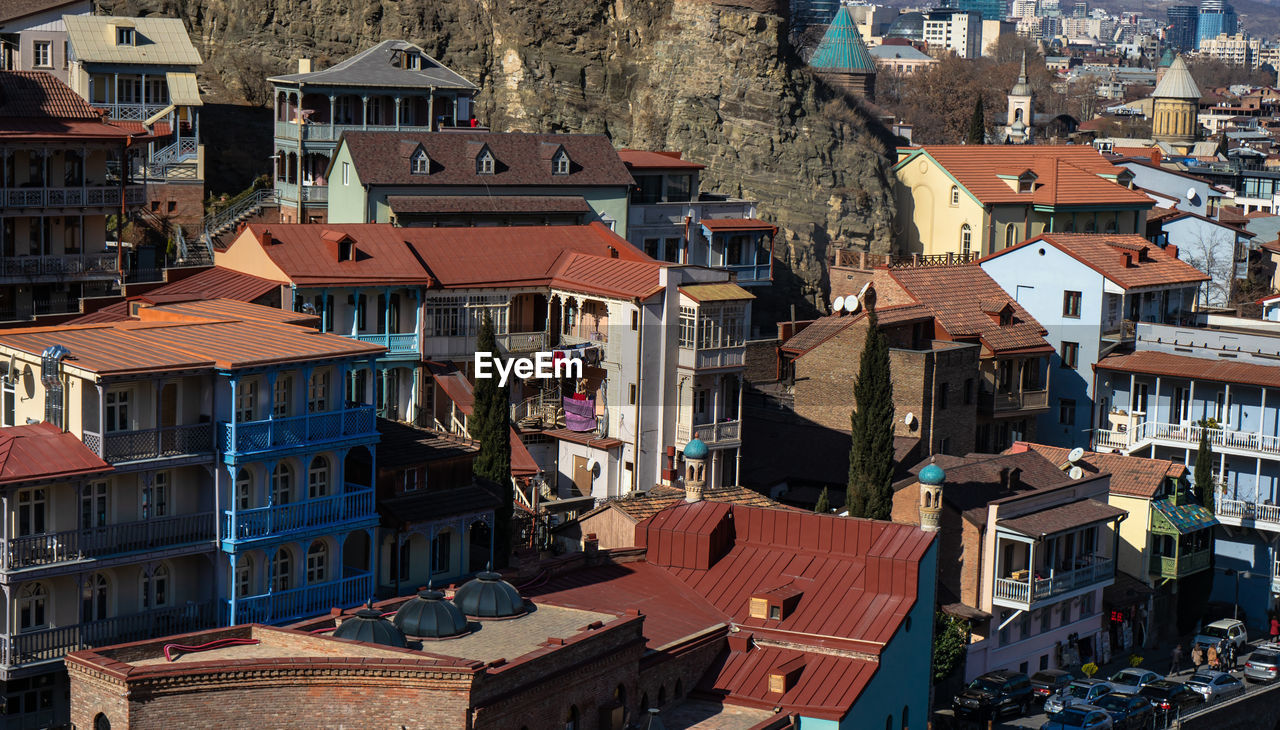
<point>581,476</point>
<point>1140,398</point>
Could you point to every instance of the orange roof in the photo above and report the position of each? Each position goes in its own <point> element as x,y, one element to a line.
<point>608,276</point>
<point>656,160</point>
<point>1151,153</point>
<point>194,311</point>
<point>213,283</point>
<point>308,253</point>
<point>716,225</point>
<point>41,451</point>
<point>1066,175</point>
<point>1131,475</point>
<point>1149,362</point>
<point>1130,260</point>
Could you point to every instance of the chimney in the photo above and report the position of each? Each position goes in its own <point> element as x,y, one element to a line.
<point>1172,250</point>
<point>1128,260</point>
<point>1015,477</point>
<point>1004,478</point>
<point>266,237</point>
<point>304,65</point>
<point>613,252</point>
<point>669,471</point>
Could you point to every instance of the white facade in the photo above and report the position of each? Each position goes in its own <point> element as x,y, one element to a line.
<point>959,33</point>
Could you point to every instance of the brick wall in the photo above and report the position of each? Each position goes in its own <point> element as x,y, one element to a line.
<point>674,674</point>
<point>761,361</point>
<point>959,544</point>
<point>181,201</point>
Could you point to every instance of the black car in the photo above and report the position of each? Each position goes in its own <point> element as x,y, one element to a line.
<point>1170,699</point>
<point>993,695</point>
<point>1048,682</point>
<point>1128,712</point>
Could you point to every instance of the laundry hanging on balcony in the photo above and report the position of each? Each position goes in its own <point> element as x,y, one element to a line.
<point>579,412</point>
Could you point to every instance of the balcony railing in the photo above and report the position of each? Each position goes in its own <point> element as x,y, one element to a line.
<point>1188,434</point>
<point>101,542</point>
<point>310,193</point>
<point>1029,590</point>
<point>131,112</point>
<point>1180,567</point>
<point>326,131</point>
<point>751,273</point>
<point>673,213</point>
<point>297,603</point>
<point>712,358</point>
<point>1124,330</point>
<point>1021,401</point>
<point>58,266</point>
<point>31,647</point>
<point>73,197</point>
<point>248,524</point>
<point>522,342</point>
<point>313,428</point>
<point>710,433</point>
<point>397,343</point>
<point>1239,509</point>
<point>152,443</point>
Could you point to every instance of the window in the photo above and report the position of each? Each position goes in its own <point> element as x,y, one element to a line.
<point>484,163</point>
<point>31,512</point>
<point>966,240</point>
<point>318,478</point>
<point>93,597</point>
<point>942,396</point>
<point>282,570</point>
<point>440,552</point>
<point>560,165</point>
<point>1086,605</point>
<point>33,605</point>
<point>155,587</point>
<point>318,392</point>
<point>1070,354</point>
<point>1026,184</point>
<point>955,195</point>
<point>635,321</point>
<point>346,173</point>
<point>244,489</point>
<point>631,394</point>
<point>282,484</point>
<point>282,402</point>
<point>93,505</point>
<point>42,54</point>
<point>100,722</point>
<point>571,718</point>
<point>247,400</point>
<point>317,562</point>
<point>155,497</point>
<point>1071,304</point>
<point>126,37</point>
<point>421,163</point>
<point>968,391</point>
<point>688,318</point>
<point>1010,235</point>
<point>414,479</point>
<point>117,411</point>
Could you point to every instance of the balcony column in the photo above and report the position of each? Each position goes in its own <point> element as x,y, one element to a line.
<point>1262,416</point>
<point>4,531</point>
<point>1153,410</point>
<point>431,108</point>
<point>115,92</point>
<point>386,314</point>
<point>1226,407</point>
<point>102,419</point>
<point>333,106</point>
<point>417,319</point>
<point>270,397</point>
<point>325,324</point>
<point>235,406</point>
<point>1191,400</point>
<point>364,108</point>
<point>397,113</point>
<point>1031,572</point>
<point>233,560</point>
<point>1257,483</point>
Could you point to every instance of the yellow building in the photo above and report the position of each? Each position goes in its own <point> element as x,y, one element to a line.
<point>1176,102</point>
<point>968,201</point>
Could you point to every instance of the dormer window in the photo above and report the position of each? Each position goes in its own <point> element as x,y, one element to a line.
<point>126,36</point>
<point>560,163</point>
<point>346,250</point>
<point>1026,183</point>
<point>412,61</point>
<point>484,163</point>
<point>420,163</point>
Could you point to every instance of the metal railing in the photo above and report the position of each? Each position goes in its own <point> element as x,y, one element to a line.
<point>248,524</point>
<point>131,112</point>
<point>1019,401</point>
<point>941,259</point>
<point>710,433</point>
<point>216,222</point>
<point>326,131</point>
<point>31,647</point>
<point>73,197</point>
<point>748,273</point>
<point>673,213</point>
<point>397,343</point>
<point>710,358</point>
<point>297,430</point>
<point>151,443</point>
<point>1189,434</point>
<point>1167,566</point>
<point>1031,589</point>
<point>100,542</point>
<point>302,602</point>
<point>310,193</point>
<point>63,265</point>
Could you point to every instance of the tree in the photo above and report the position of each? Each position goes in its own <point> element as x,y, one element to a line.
<point>1214,253</point>
<point>870,492</point>
<point>977,124</point>
<point>824,503</point>
<point>1202,475</point>
<point>950,637</point>
<point>491,427</point>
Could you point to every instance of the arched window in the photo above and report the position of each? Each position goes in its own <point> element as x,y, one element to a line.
<point>966,240</point>
<point>244,489</point>
<point>928,500</point>
<point>282,570</point>
<point>1017,114</point>
<point>644,703</point>
<point>888,722</point>
<point>1010,235</point>
<point>317,562</point>
<point>93,597</point>
<point>679,689</point>
<point>441,552</point>
<point>33,607</point>
<point>620,695</point>
<point>100,722</point>
<point>571,718</point>
<point>318,478</point>
<point>282,484</point>
<point>244,577</point>
<point>955,195</point>
<point>155,587</point>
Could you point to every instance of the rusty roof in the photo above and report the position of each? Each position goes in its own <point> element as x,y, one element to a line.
<point>1146,265</point>
<point>1062,518</point>
<point>729,225</point>
<point>656,160</point>
<point>607,276</point>
<point>458,389</point>
<point>1133,476</point>
<point>957,295</point>
<point>402,204</point>
<point>519,159</point>
<point>212,283</point>
<point>824,328</point>
<point>41,451</point>
<point>203,310</point>
<point>1150,362</point>
<point>827,686</point>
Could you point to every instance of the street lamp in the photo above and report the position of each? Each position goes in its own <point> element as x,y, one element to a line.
<point>1235,606</point>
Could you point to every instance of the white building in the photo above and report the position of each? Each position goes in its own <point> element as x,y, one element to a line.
<point>953,31</point>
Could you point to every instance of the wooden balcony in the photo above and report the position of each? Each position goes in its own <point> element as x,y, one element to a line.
<point>710,434</point>
<point>356,503</point>
<point>1026,592</point>
<point>715,358</point>
<point>51,268</point>
<point>312,429</point>
<point>51,548</point>
<point>518,342</point>
<point>1181,566</point>
<point>153,443</point>
<point>397,343</point>
<point>1247,443</point>
<point>301,602</point>
<point>83,196</point>
<point>1238,512</point>
<point>47,645</point>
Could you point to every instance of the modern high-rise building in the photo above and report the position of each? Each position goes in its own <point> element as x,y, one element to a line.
<point>1183,21</point>
<point>990,9</point>
<point>1216,17</point>
<point>805,13</point>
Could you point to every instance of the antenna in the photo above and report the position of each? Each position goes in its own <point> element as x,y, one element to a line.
<point>1076,455</point>
<point>837,305</point>
<point>851,304</point>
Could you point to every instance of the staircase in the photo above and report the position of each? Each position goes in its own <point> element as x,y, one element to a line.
<point>242,208</point>
<point>186,254</point>
<point>161,163</point>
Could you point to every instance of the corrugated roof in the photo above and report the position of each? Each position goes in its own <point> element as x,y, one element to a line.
<point>896,52</point>
<point>383,158</point>
<point>827,686</point>
<point>1151,362</point>
<point>194,311</point>
<point>1133,476</point>
<point>656,160</point>
<point>841,48</point>
<point>718,292</point>
<point>41,451</point>
<point>402,204</point>
<point>212,283</point>
<point>381,66</point>
<point>183,89</point>
<point>1062,518</point>
<point>956,295</point>
<point>159,41</point>
<point>1177,83</point>
<point>608,276</point>
<point>727,225</point>
<point>1147,264</point>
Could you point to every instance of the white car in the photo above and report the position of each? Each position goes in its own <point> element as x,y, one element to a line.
<point>1218,633</point>
<point>1129,681</point>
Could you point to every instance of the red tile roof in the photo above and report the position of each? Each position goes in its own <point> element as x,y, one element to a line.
<point>41,451</point>
<point>13,9</point>
<point>40,94</point>
<point>1183,366</point>
<point>213,283</point>
<point>206,309</point>
<point>728,225</point>
<point>1150,153</point>
<point>1066,175</point>
<point>1147,264</point>
<point>656,160</point>
<point>608,276</point>
<point>1134,476</point>
<point>308,253</point>
<point>824,328</point>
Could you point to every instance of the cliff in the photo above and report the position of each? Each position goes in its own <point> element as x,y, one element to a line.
<point>719,82</point>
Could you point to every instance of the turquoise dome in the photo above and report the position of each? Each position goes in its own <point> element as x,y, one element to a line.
<point>932,474</point>
<point>695,449</point>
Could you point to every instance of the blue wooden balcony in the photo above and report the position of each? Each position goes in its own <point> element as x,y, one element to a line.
<point>48,645</point>
<point>397,343</point>
<point>302,602</point>
<point>354,505</point>
<point>357,423</point>
<point>99,543</point>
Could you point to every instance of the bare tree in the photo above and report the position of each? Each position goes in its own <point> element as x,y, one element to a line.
<point>1215,255</point>
<point>248,71</point>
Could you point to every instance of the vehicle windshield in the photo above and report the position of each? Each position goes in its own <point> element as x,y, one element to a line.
<point>1216,632</point>
<point>1079,691</point>
<point>1112,702</point>
<point>1069,716</point>
<point>1045,678</point>
<point>1152,690</point>
<point>985,685</point>
<point>1127,676</point>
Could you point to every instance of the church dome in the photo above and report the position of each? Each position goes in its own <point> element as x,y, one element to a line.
<point>932,474</point>
<point>489,596</point>
<point>369,625</point>
<point>695,449</point>
<point>430,616</point>
<point>907,25</point>
<point>1022,88</point>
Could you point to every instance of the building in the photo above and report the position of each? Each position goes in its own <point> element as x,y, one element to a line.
<point>1235,49</point>
<point>1026,553</point>
<point>842,59</point>
<point>901,58</point>
<point>469,178</point>
<point>1020,121</point>
<point>1216,17</point>
<point>1116,281</point>
<point>671,220</point>
<point>1175,107</point>
<point>33,36</point>
<point>60,181</point>
<point>1215,248</point>
<point>963,202</point>
<point>394,87</point>
<point>989,9</point>
<point>142,71</point>
<point>1183,33</point>
<point>1187,192</point>
<point>709,617</point>
<point>953,31</point>
<point>806,13</point>
<point>873,21</point>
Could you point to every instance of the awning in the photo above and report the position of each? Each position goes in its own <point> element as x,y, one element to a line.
<point>1060,519</point>
<point>183,89</point>
<point>567,504</point>
<point>1182,518</point>
<point>728,225</point>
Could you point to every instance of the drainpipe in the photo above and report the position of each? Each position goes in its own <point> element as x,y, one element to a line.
<point>298,169</point>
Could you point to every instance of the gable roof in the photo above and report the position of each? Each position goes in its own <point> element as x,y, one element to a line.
<point>160,41</point>
<point>14,9</point>
<point>824,328</point>
<point>1106,254</point>
<point>213,283</point>
<point>656,160</point>
<point>376,66</point>
<point>42,451</point>
<point>1134,476</point>
<point>1066,175</point>
<point>307,253</point>
<point>36,105</point>
<point>382,158</point>
<point>841,47</point>
<point>608,276</point>
<point>1174,215</point>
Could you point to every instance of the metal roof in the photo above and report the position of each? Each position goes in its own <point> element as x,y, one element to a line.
<point>1062,518</point>
<point>657,160</point>
<point>607,276</point>
<point>1185,518</point>
<point>42,451</point>
<point>410,204</point>
<point>1177,83</point>
<point>14,9</point>
<point>159,41</point>
<point>1130,261</point>
<point>1151,362</point>
<point>381,66</point>
<point>841,47</point>
<point>183,89</point>
<point>718,292</point>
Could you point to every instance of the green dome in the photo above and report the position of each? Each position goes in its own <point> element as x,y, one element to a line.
<point>1167,59</point>
<point>695,449</point>
<point>932,474</point>
<point>842,48</point>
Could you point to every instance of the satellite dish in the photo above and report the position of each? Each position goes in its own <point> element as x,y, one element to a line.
<point>1076,472</point>
<point>1191,193</point>
<point>863,291</point>
<point>1076,455</point>
<point>593,466</point>
<point>851,304</point>
<point>909,419</point>
<point>837,305</point>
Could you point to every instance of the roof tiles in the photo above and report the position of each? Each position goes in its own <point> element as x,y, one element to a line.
<point>1134,476</point>
<point>1062,518</point>
<point>1146,264</point>
<point>212,283</point>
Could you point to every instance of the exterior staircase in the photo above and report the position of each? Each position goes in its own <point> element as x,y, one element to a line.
<point>242,208</point>
<point>194,253</point>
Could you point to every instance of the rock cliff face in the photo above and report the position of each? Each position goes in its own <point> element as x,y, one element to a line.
<point>721,83</point>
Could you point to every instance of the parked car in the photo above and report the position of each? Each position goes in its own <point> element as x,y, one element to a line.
<point>1263,665</point>
<point>1219,632</point>
<point>1128,712</point>
<point>1226,608</point>
<point>1170,699</point>
<point>1129,681</point>
<point>1079,692</point>
<point>1214,686</point>
<point>993,695</point>
<point>1079,717</point>
<point>1048,682</point>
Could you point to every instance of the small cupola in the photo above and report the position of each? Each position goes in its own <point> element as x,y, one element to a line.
<point>341,245</point>
<point>368,625</point>
<point>420,162</point>
<point>560,163</point>
<point>488,596</point>
<point>429,615</point>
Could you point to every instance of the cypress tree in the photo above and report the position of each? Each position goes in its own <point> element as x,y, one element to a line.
<point>1202,475</point>
<point>491,427</point>
<point>824,503</point>
<point>870,492</point>
<point>977,124</point>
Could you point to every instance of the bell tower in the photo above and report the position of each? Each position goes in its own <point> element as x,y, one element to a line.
<point>931,478</point>
<point>1021,107</point>
<point>695,469</point>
